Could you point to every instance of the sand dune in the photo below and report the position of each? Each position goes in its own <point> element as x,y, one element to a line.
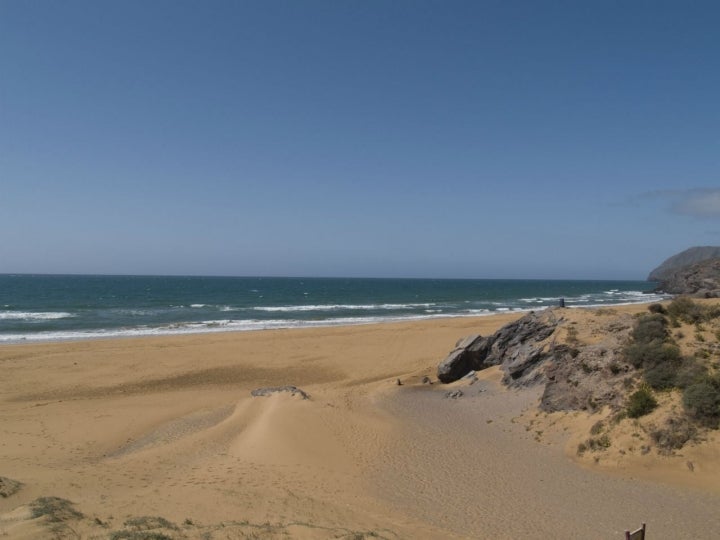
<point>167,427</point>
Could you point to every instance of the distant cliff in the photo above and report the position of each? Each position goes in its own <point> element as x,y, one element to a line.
<point>701,280</point>
<point>682,260</point>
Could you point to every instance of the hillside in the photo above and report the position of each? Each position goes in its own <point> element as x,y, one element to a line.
<point>682,260</point>
<point>701,279</point>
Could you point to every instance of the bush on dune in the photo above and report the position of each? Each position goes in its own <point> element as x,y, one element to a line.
<point>690,312</point>
<point>650,328</point>
<point>641,403</point>
<point>702,401</point>
<point>662,376</point>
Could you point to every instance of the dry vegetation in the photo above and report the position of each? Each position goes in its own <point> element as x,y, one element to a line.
<point>673,391</point>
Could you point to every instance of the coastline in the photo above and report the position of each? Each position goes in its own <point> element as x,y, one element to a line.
<point>70,308</point>
<point>223,327</point>
<point>166,426</point>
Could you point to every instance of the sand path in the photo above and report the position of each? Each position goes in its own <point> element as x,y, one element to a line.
<point>467,466</point>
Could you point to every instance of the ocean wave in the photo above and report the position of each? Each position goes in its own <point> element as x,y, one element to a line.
<point>539,299</point>
<point>213,326</point>
<point>339,307</point>
<point>33,315</point>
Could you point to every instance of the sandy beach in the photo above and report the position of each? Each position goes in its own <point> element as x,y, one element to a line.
<point>167,427</point>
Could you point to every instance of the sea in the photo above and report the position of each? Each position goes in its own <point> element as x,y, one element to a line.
<point>37,308</point>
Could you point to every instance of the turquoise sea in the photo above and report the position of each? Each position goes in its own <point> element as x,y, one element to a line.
<point>54,308</point>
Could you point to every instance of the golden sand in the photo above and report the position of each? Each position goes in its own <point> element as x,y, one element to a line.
<point>166,426</point>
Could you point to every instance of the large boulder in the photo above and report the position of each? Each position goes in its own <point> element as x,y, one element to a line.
<point>469,354</point>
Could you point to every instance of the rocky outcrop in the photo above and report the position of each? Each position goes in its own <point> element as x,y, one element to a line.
<point>518,346</point>
<point>267,391</point>
<point>682,260</point>
<point>543,348</point>
<point>701,280</point>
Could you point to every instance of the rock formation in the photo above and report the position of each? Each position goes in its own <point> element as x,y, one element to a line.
<point>518,346</point>
<point>701,279</point>
<point>540,348</point>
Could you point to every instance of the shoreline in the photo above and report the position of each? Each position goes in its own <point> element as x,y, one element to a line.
<point>290,324</point>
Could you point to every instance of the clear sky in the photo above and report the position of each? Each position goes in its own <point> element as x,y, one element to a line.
<point>491,139</point>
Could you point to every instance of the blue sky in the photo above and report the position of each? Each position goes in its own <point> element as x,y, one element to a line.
<point>358,138</point>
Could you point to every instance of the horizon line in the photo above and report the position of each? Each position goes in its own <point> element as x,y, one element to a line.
<point>228,276</point>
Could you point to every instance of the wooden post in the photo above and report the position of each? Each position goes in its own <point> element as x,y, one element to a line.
<point>636,535</point>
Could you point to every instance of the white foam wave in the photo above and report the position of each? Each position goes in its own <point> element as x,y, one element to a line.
<point>540,299</point>
<point>226,325</point>
<point>33,315</point>
<point>197,305</point>
<point>339,307</point>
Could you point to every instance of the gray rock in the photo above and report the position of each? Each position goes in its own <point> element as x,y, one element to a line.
<point>8,487</point>
<point>454,394</point>
<point>426,380</point>
<point>517,346</point>
<point>267,391</point>
<point>575,376</point>
<point>588,377</point>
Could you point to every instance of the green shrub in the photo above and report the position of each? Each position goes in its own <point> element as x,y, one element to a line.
<point>702,401</point>
<point>641,403</point>
<point>686,310</point>
<point>689,372</point>
<point>138,535</point>
<point>662,376</point>
<point>650,354</point>
<point>657,308</point>
<point>55,508</point>
<point>594,444</point>
<point>650,328</point>
<point>597,427</point>
<point>149,522</point>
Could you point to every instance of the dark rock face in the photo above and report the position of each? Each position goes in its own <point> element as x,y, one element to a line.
<point>463,358</point>
<point>576,377</point>
<point>701,279</point>
<point>518,346</point>
<point>294,391</point>
<point>684,259</point>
